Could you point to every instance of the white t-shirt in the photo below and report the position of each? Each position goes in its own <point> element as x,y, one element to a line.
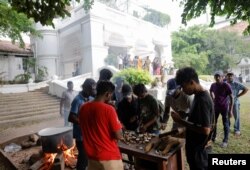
<point>182,103</point>
<point>68,97</point>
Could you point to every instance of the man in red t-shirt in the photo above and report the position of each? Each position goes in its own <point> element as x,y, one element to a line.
<point>101,130</point>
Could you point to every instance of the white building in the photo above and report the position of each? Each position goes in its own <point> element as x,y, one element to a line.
<point>12,60</point>
<point>80,43</point>
<point>243,69</point>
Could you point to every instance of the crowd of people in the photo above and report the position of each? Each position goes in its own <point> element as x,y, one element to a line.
<point>155,67</point>
<point>102,110</point>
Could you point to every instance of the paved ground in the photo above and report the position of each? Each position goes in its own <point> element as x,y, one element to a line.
<point>12,133</point>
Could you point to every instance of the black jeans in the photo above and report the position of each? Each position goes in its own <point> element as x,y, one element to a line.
<point>82,160</point>
<point>225,121</point>
<point>197,158</point>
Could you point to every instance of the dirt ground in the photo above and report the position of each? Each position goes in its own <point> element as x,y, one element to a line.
<point>15,132</point>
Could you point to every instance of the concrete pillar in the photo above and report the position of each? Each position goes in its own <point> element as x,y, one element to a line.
<point>94,50</point>
<point>47,49</point>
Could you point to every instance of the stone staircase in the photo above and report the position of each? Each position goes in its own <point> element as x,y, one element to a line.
<point>26,109</point>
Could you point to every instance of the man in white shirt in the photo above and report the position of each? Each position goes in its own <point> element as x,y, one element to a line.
<point>66,100</point>
<point>177,100</point>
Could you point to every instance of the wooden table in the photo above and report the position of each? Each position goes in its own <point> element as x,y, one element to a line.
<point>172,161</point>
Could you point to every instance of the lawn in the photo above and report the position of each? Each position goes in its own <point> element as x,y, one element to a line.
<point>242,144</point>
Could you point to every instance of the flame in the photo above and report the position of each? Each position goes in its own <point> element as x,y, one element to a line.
<point>68,154</point>
<point>69,157</point>
<point>49,157</point>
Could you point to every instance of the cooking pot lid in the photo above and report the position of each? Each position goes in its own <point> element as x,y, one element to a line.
<point>54,131</point>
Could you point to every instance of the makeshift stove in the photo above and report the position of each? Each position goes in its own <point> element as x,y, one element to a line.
<point>53,150</point>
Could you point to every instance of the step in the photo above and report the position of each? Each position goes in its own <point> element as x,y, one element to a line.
<point>28,114</point>
<point>9,99</point>
<point>28,103</point>
<point>27,122</point>
<point>27,119</point>
<point>25,105</point>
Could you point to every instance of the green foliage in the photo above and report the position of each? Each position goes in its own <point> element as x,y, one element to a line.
<point>22,78</point>
<point>44,11</point>
<point>29,68</point>
<point>206,77</point>
<point>134,76</point>
<point>156,17</point>
<point>111,60</point>
<point>42,73</point>
<point>1,78</point>
<point>207,50</point>
<point>188,48</point>
<point>235,10</point>
<point>12,24</point>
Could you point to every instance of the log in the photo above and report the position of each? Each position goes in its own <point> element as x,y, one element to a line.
<point>59,163</point>
<point>37,165</point>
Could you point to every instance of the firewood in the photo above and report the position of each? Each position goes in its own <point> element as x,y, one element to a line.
<point>169,146</point>
<point>37,165</point>
<point>148,147</point>
<point>70,162</point>
<point>33,138</point>
<point>34,158</point>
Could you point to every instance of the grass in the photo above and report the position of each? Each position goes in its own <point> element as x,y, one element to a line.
<point>236,145</point>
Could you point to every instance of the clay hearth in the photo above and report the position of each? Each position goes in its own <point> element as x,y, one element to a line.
<point>34,158</point>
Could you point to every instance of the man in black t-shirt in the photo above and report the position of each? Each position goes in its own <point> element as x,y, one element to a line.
<point>148,110</point>
<point>128,109</point>
<point>200,120</point>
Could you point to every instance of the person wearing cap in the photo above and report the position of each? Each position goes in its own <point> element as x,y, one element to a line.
<point>220,91</point>
<point>128,109</point>
<point>87,94</point>
<point>177,100</point>
<point>238,91</point>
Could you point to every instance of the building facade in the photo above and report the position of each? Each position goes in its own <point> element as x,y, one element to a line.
<point>79,44</point>
<point>12,60</point>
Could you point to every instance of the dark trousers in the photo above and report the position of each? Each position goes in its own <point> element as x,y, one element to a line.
<point>82,160</point>
<point>225,121</point>
<point>197,158</point>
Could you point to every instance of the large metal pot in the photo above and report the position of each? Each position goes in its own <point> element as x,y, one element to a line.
<point>53,138</point>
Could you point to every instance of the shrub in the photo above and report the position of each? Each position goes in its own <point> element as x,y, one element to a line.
<point>22,78</point>
<point>134,76</point>
<point>42,73</point>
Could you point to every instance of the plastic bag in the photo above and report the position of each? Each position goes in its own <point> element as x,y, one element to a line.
<point>12,148</point>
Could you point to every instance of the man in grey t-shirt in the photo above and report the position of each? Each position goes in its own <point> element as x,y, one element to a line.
<point>177,100</point>
<point>66,100</point>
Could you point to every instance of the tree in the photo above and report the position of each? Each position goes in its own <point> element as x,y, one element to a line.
<point>13,24</point>
<point>188,48</point>
<point>46,10</point>
<point>233,9</point>
<point>207,50</point>
<point>156,17</point>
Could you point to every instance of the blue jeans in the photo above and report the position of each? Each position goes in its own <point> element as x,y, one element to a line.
<point>82,160</point>
<point>236,114</point>
<point>225,121</point>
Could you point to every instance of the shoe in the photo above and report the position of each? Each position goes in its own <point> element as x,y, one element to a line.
<point>237,133</point>
<point>223,144</point>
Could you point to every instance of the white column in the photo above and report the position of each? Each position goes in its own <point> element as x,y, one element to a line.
<point>47,50</point>
<point>94,50</point>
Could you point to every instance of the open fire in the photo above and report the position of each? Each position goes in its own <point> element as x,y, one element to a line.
<point>57,160</point>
